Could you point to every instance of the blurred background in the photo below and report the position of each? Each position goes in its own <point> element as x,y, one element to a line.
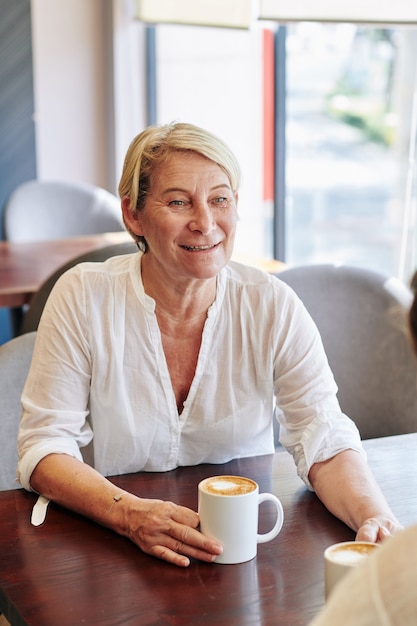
<point>321,115</point>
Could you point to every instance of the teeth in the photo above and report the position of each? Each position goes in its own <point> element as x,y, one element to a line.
<point>198,247</point>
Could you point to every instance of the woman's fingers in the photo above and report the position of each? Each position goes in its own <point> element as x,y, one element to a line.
<point>377,529</point>
<point>169,532</point>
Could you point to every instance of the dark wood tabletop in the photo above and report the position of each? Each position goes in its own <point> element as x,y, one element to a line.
<point>71,571</point>
<point>24,266</point>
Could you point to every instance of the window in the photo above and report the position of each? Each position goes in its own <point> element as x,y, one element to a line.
<point>350,124</point>
<point>350,132</point>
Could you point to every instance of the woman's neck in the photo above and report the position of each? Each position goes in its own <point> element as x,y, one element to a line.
<point>180,301</point>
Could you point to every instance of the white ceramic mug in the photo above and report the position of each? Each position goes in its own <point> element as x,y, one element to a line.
<point>341,557</point>
<point>228,507</point>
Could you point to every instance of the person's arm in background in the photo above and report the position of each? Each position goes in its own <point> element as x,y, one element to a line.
<point>348,489</point>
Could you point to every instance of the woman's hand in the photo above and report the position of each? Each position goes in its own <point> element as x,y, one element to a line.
<point>169,532</point>
<point>376,529</point>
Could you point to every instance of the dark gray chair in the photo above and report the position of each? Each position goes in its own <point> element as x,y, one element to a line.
<point>15,358</point>
<point>33,312</point>
<point>361,316</point>
<point>41,210</point>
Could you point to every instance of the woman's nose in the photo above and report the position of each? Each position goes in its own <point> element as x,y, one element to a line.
<point>202,219</point>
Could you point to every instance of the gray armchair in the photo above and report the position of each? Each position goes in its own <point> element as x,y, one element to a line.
<point>41,210</point>
<point>361,316</point>
<point>15,358</point>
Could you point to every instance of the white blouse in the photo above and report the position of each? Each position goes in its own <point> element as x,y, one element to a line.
<point>99,386</point>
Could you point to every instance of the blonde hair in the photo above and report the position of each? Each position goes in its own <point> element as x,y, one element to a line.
<point>153,145</point>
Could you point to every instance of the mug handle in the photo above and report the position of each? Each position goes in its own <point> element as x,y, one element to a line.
<point>279,521</point>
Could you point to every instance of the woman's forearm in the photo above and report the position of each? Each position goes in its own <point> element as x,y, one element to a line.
<point>77,486</point>
<point>162,529</point>
<point>348,489</point>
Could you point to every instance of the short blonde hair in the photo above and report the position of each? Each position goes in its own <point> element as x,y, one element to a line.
<point>153,145</point>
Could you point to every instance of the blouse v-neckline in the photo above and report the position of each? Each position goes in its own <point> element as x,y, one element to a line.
<point>156,338</point>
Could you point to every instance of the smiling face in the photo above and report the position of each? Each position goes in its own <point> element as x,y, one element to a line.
<point>189,218</point>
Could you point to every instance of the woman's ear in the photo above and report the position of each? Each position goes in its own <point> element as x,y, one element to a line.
<point>131,218</point>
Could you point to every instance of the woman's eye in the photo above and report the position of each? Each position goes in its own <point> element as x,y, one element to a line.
<point>220,200</point>
<point>176,203</point>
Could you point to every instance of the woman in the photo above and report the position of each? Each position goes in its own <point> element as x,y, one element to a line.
<point>382,590</point>
<point>173,356</point>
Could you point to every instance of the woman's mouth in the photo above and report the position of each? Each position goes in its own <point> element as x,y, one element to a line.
<point>199,248</point>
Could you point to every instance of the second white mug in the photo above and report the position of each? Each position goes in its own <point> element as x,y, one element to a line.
<point>341,557</point>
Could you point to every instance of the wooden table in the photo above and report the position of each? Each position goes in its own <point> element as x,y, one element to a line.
<point>71,571</point>
<point>24,266</point>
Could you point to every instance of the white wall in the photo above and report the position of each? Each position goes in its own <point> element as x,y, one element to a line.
<point>77,137</point>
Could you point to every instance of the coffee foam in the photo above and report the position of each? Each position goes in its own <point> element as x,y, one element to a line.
<point>228,485</point>
<point>351,554</point>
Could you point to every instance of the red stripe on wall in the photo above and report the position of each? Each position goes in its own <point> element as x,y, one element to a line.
<point>268,114</point>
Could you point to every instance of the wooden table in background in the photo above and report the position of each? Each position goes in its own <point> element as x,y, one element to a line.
<point>24,266</point>
<point>71,571</point>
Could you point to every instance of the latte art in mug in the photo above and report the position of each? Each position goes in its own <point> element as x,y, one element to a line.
<point>228,485</point>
